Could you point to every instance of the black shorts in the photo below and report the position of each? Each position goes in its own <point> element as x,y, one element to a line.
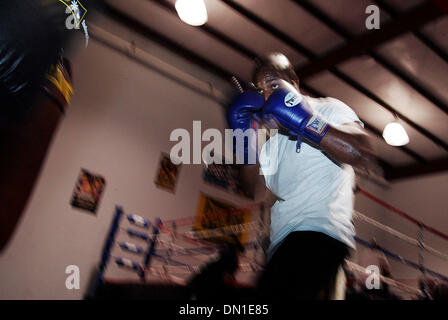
<point>304,266</point>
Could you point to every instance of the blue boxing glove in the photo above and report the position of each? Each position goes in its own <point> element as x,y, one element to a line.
<point>240,113</point>
<point>241,116</point>
<point>289,109</point>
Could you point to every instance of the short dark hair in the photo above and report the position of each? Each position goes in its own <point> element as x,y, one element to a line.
<point>278,62</point>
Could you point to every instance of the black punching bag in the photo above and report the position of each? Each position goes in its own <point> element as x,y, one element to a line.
<point>31,39</point>
<point>33,34</point>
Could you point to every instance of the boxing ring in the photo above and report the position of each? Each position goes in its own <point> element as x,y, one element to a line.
<point>172,251</point>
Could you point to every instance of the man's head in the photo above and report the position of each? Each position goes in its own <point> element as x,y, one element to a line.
<point>270,71</point>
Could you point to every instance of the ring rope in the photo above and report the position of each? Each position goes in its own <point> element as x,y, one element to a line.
<point>400,235</point>
<point>227,230</point>
<point>404,287</point>
<point>197,251</point>
<point>168,260</point>
<point>403,214</point>
<point>252,226</point>
<point>191,220</point>
<point>247,267</point>
<point>166,276</point>
<point>202,244</point>
<point>166,272</point>
<point>187,251</point>
<point>176,247</point>
<point>250,267</point>
<point>399,258</point>
<point>388,253</point>
<point>182,268</point>
<point>188,269</point>
<point>196,237</point>
<point>365,243</point>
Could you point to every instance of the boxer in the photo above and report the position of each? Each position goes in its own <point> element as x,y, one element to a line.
<point>319,143</point>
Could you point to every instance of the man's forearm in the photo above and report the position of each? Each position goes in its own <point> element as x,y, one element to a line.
<point>350,144</point>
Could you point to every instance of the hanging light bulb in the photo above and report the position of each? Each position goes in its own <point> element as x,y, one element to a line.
<point>192,12</point>
<point>395,134</point>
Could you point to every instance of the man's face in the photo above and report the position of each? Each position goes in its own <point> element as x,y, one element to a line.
<point>266,82</point>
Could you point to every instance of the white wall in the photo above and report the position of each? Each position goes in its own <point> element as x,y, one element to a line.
<point>118,123</point>
<point>423,198</point>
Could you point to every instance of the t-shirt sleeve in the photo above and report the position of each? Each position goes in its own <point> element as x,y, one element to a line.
<point>338,113</point>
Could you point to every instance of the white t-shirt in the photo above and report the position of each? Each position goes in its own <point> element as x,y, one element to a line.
<point>318,192</point>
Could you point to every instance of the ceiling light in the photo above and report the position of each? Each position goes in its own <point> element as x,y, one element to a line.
<point>395,135</point>
<point>192,12</point>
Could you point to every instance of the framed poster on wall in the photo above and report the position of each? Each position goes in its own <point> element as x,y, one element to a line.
<point>219,219</point>
<point>88,191</point>
<point>167,173</point>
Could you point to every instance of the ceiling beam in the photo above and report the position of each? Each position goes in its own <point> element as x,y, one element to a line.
<point>414,170</point>
<point>146,31</point>
<point>214,33</point>
<point>270,28</point>
<point>348,36</point>
<point>320,15</point>
<point>439,103</point>
<point>351,82</point>
<point>240,48</point>
<point>408,21</point>
<point>420,35</point>
<point>342,76</point>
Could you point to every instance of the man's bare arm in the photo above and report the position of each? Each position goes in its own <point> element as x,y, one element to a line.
<point>350,144</point>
